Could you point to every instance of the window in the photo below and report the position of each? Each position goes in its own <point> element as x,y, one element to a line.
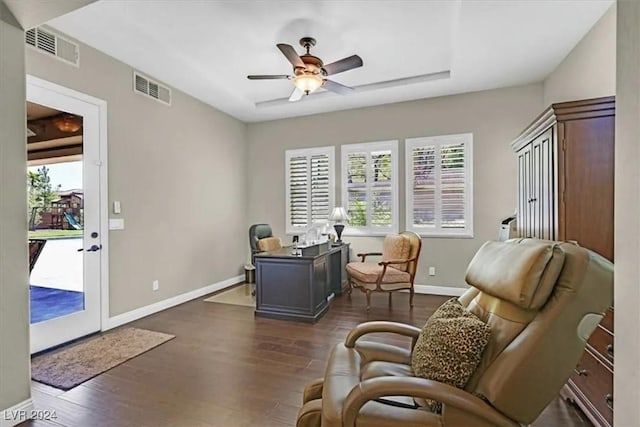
<point>370,187</point>
<point>439,185</point>
<point>309,187</point>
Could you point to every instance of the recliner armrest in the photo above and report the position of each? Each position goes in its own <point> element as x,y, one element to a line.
<point>382,326</point>
<point>376,388</point>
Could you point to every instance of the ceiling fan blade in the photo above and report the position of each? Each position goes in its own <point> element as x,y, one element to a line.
<point>344,64</point>
<point>291,55</point>
<point>269,77</point>
<point>337,87</point>
<point>296,95</point>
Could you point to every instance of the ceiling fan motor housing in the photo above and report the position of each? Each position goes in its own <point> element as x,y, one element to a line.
<point>313,65</point>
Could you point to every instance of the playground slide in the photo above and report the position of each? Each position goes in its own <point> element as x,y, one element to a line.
<point>72,221</point>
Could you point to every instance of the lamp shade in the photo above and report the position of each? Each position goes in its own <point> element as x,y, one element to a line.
<point>339,214</point>
<point>307,82</point>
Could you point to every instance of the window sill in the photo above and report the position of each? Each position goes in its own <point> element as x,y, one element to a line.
<point>368,232</point>
<point>436,235</point>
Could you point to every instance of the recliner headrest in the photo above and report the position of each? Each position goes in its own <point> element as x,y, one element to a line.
<point>521,271</point>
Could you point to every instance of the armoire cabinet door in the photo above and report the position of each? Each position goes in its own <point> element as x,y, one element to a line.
<point>536,214</point>
<point>524,192</point>
<point>544,186</point>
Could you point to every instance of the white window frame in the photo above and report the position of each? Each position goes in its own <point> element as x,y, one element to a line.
<point>368,148</point>
<point>308,153</point>
<point>438,141</point>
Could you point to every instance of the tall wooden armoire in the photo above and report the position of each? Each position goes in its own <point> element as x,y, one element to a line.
<point>565,192</point>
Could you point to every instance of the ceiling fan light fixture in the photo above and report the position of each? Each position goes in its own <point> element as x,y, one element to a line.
<point>308,82</point>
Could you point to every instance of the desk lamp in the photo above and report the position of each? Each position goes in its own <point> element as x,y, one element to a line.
<point>339,215</point>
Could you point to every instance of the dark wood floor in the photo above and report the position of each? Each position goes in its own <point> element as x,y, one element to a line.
<point>226,368</point>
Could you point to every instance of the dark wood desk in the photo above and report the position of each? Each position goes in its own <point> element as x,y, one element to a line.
<point>293,287</point>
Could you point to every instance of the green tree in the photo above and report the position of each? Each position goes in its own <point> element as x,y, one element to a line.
<point>358,214</point>
<point>40,194</point>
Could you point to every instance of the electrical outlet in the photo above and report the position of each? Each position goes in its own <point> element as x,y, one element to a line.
<point>432,271</point>
<point>155,285</point>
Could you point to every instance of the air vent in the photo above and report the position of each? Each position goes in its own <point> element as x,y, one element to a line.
<point>46,41</point>
<point>146,86</point>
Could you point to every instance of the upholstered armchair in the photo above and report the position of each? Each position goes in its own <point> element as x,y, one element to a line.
<point>396,271</point>
<point>540,300</point>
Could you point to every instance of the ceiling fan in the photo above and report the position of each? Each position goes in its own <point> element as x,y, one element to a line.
<point>309,72</point>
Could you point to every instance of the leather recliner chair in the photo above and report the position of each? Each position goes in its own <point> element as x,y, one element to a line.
<point>541,299</point>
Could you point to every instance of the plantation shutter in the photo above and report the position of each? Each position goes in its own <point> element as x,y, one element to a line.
<point>452,186</point>
<point>439,182</point>
<point>423,166</point>
<point>320,197</point>
<point>370,187</point>
<point>381,189</point>
<point>310,188</point>
<point>298,191</point>
<point>357,189</point>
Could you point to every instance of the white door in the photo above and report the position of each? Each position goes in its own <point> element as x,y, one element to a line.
<point>91,241</point>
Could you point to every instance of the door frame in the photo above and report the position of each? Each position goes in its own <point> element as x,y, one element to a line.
<point>103,209</point>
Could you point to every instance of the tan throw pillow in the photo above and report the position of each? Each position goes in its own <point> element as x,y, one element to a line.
<point>450,346</point>
<point>394,247</point>
<point>269,244</point>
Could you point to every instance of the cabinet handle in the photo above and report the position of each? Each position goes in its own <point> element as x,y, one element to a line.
<point>610,350</point>
<point>608,400</point>
<point>581,372</point>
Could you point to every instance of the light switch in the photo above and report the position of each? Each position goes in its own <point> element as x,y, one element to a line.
<point>116,207</point>
<point>116,223</point>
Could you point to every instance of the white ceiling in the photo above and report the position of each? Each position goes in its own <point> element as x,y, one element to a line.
<point>207,48</point>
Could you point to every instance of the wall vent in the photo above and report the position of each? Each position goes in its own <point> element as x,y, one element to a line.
<point>151,88</point>
<point>48,42</point>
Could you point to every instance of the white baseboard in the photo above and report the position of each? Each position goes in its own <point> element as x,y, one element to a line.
<point>16,414</point>
<point>439,290</point>
<point>141,312</point>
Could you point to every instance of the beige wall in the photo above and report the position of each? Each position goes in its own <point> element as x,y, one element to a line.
<point>589,71</point>
<point>627,217</point>
<point>14,289</point>
<point>494,117</point>
<point>179,173</point>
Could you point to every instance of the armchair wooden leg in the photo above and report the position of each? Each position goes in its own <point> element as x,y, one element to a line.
<point>411,292</point>
<point>349,289</point>
<point>368,292</point>
<point>390,299</point>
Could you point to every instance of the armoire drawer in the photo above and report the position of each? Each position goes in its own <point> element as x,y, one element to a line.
<point>595,381</point>
<point>601,342</point>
